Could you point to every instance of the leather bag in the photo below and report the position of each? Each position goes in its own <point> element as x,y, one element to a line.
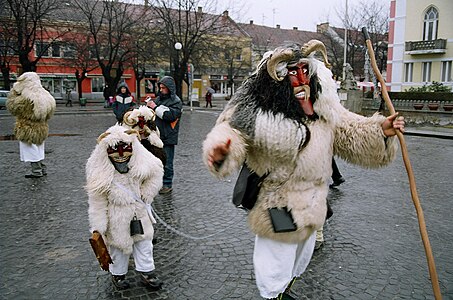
<point>247,188</point>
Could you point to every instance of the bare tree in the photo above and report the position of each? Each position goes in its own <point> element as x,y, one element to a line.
<point>6,54</point>
<point>182,21</point>
<point>111,26</point>
<point>375,18</point>
<point>28,21</point>
<point>233,60</point>
<point>143,53</point>
<point>78,46</point>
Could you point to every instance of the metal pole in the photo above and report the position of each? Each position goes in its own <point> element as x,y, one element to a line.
<point>345,41</point>
<point>190,95</point>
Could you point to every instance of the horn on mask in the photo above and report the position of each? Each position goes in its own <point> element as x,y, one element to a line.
<point>313,46</point>
<point>279,55</point>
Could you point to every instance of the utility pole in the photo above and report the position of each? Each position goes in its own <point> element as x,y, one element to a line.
<point>345,41</point>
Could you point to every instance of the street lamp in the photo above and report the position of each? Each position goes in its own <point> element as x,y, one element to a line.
<point>178,46</point>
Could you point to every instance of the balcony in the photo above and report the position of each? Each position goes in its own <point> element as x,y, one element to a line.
<point>438,46</point>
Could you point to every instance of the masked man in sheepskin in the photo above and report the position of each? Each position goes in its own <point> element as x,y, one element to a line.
<point>122,180</point>
<point>32,106</point>
<point>143,119</point>
<point>286,122</point>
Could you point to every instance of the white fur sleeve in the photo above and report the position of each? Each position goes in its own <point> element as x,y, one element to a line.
<point>97,212</point>
<point>219,135</point>
<point>361,141</point>
<point>279,135</point>
<point>151,186</point>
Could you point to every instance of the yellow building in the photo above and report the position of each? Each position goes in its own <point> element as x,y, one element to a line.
<point>420,43</point>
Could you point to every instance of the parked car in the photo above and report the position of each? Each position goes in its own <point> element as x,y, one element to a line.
<point>3,97</point>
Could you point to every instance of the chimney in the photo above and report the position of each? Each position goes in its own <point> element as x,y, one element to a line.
<point>251,22</point>
<point>225,13</point>
<point>278,26</point>
<point>200,9</point>
<point>295,28</point>
<point>323,27</point>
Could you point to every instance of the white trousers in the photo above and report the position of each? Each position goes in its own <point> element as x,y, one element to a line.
<point>31,152</point>
<point>142,252</point>
<point>277,263</point>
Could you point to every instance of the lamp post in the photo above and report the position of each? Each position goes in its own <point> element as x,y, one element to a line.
<point>178,47</point>
<point>345,41</point>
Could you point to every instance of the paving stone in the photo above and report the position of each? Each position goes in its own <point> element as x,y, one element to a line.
<point>373,247</point>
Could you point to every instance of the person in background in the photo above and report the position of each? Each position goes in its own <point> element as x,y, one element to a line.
<point>208,96</point>
<point>105,93</point>
<point>123,101</point>
<point>168,108</point>
<point>336,175</point>
<point>32,105</point>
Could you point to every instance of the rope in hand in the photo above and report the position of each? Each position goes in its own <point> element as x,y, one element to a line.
<point>410,174</point>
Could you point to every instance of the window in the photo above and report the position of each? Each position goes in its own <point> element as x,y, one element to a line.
<point>97,84</point>
<point>47,84</point>
<point>446,71</point>
<point>69,51</point>
<point>430,24</point>
<point>56,50</point>
<point>426,71</point>
<point>408,69</point>
<point>69,85</point>
<point>42,49</point>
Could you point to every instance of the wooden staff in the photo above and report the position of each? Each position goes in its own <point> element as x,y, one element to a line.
<point>410,174</point>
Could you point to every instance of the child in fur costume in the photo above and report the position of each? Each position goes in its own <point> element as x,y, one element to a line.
<point>122,180</point>
<point>32,106</point>
<point>286,121</point>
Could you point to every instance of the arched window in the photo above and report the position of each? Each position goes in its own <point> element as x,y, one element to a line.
<point>430,24</point>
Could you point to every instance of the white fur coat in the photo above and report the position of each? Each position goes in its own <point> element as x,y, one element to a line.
<point>298,179</point>
<point>32,106</point>
<point>112,195</point>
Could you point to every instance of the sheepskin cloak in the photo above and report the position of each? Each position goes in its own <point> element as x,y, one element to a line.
<point>112,195</point>
<point>32,106</point>
<point>297,156</point>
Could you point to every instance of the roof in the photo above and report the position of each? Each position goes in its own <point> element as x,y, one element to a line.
<point>272,37</point>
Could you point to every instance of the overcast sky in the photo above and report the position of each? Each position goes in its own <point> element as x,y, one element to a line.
<point>303,14</point>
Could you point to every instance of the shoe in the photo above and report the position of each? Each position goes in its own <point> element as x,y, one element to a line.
<point>33,175</point>
<point>165,190</point>
<point>319,245</point>
<point>151,280</point>
<point>337,182</point>
<point>120,282</point>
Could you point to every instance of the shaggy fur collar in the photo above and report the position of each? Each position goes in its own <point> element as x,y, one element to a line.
<point>28,88</point>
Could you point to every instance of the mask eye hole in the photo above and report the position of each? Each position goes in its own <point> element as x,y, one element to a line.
<point>292,72</point>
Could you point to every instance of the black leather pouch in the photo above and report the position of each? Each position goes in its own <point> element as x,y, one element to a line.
<point>282,220</point>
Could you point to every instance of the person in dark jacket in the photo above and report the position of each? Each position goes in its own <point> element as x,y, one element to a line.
<point>168,108</point>
<point>123,101</point>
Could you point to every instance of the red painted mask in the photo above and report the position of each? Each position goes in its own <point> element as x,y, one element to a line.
<point>119,155</point>
<point>298,75</point>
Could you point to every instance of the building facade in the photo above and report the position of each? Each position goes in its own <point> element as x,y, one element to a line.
<point>420,44</point>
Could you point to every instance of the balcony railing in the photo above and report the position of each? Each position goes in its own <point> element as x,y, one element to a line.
<point>426,47</point>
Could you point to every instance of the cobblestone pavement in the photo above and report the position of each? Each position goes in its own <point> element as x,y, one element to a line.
<point>373,247</point>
